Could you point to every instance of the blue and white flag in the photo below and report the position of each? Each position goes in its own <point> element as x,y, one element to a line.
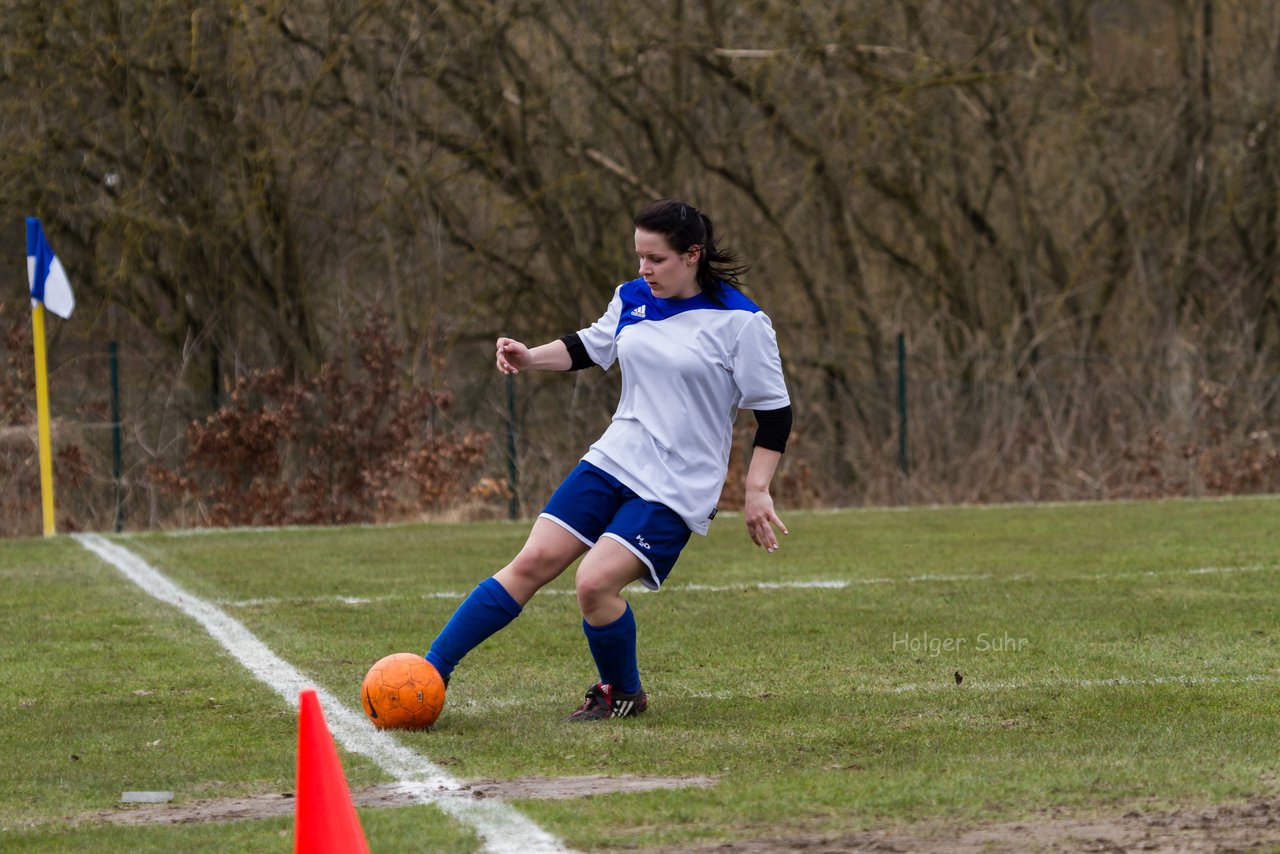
<point>49,283</point>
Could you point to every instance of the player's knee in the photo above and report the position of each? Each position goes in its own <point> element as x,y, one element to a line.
<point>592,588</point>
<point>536,563</point>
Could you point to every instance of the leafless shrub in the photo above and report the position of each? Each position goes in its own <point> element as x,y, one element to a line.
<point>353,443</point>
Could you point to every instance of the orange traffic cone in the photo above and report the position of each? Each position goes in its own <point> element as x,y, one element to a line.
<point>325,821</point>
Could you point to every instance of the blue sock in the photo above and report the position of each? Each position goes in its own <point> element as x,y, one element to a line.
<point>487,610</point>
<point>614,649</point>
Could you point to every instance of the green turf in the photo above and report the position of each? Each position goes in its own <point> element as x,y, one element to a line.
<point>1111,655</point>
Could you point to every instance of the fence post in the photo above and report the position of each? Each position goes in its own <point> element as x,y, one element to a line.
<point>902,404</point>
<point>513,473</point>
<point>117,453</point>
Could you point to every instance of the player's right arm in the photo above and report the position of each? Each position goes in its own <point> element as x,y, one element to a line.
<point>514,357</point>
<point>595,345</point>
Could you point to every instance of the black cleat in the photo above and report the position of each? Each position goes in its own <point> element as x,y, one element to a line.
<point>605,701</point>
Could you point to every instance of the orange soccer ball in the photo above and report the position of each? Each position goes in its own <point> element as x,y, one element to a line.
<point>402,691</point>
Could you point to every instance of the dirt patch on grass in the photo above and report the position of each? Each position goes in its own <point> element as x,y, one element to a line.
<point>1250,826</point>
<point>390,795</point>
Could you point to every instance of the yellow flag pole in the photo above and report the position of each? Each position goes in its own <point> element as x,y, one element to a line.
<point>42,418</point>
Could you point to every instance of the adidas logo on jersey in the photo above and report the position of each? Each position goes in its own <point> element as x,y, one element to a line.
<point>637,312</point>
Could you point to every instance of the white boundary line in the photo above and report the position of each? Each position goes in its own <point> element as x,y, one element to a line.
<point>742,586</point>
<point>503,829</point>
<point>734,514</point>
<point>1054,505</point>
<point>1113,682</point>
<point>942,686</point>
<point>945,686</point>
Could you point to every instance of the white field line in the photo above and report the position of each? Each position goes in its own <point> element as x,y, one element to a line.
<point>1083,684</point>
<point>816,584</point>
<point>490,704</point>
<point>1047,505</point>
<point>267,529</point>
<point>503,829</point>
<point>731,514</point>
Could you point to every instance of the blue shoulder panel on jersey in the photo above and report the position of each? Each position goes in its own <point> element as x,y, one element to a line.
<point>640,305</point>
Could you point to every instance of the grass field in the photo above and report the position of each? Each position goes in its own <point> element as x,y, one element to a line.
<point>1112,657</point>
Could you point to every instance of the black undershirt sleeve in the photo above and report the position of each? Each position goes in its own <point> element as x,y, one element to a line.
<point>773,426</point>
<point>578,358</point>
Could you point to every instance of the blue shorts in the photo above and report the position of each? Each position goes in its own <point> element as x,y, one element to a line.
<point>592,503</point>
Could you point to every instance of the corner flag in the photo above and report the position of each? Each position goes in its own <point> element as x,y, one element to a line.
<point>50,289</point>
<point>49,283</point>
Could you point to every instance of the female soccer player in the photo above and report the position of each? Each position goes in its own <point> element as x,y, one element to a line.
<point>693,352</point>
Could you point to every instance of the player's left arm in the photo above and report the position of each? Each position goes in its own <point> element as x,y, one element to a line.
<point>757,371</point>
<point>773,428</point>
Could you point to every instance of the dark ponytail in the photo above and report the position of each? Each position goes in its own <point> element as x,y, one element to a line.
<point>685,227</point>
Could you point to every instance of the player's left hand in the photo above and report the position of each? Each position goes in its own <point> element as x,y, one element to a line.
<point>761,520</point>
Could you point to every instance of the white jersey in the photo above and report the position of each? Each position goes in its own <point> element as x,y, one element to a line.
<point>688,366</point>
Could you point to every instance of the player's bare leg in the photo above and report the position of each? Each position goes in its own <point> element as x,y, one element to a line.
<point>498,600</point>
<point>607,568</point>
<point>547,552</point>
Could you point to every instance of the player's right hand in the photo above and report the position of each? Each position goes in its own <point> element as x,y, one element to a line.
<point>512,356</point>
